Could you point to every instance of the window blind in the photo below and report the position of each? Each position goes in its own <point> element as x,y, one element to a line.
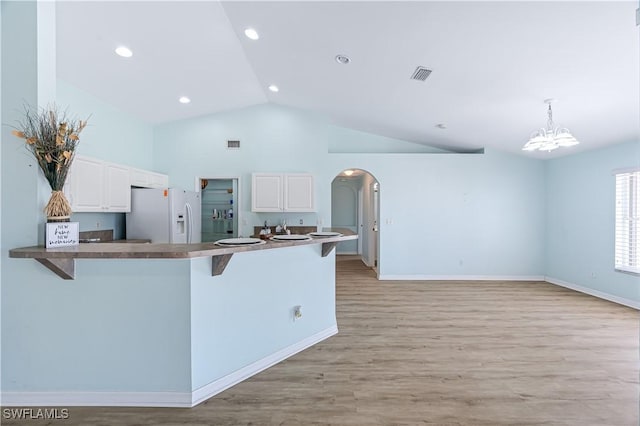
<point>628,222</point>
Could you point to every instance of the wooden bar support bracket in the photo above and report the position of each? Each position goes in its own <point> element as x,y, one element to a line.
<point>327,247</point>
<point>64,268</point>
<point>219,263</point>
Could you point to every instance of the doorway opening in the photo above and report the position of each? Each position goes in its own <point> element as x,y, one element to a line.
<point>355,205</point>
<point>220,207</point>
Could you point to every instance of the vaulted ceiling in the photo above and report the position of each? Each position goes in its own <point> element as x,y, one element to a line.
<point>493,64</point>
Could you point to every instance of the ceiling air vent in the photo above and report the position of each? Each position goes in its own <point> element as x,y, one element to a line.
<point>421,73</point>
<point>233,144</point>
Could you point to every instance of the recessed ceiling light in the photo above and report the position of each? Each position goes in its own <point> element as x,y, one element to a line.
<point>251,33</point>
<point>343,59</point>
<point>124,51</point>
<point>274,88</point>
<point>184,100</point>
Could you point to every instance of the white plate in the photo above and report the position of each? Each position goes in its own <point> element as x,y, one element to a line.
<point>240,242</point>
<point>325,234</point>
<point>292,237</point>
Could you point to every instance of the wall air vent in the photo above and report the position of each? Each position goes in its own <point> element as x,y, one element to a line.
<point>233,144</point>
<point>421,74</point>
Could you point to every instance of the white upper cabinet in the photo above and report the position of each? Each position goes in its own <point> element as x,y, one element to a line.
<point>267,192</point>
<point>278,192</point>
<point>146,179</point>
<point>298,193</point>
<point>97,186</point>
<point>85,185</point>
<point>117,189</point>
<point>158,180</point>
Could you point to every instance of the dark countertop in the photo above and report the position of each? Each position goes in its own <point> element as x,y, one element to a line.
<point>129,250</point>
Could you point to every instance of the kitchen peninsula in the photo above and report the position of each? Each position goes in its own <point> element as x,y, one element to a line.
<point>168,325</point>
<point>60,260</point>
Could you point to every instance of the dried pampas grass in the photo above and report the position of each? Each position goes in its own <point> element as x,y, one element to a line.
<point>52,137</point>
<point>58,207</point>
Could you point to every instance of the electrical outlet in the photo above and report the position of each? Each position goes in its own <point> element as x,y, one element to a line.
<point>97,225</point>
<point>301,221</point>
<point>297,312</point>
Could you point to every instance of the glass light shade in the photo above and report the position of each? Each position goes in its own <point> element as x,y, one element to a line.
<point>564,138</point>
<point>537,140</point>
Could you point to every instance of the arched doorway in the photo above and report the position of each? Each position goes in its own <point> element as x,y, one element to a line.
<point>355,205</point>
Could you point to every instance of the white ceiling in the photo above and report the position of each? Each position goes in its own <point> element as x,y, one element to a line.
<point>493,64</point>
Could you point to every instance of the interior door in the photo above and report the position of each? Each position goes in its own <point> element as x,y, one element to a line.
<point>374,241</point>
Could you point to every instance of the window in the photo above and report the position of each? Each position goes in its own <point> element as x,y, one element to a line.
<point>628,222</point>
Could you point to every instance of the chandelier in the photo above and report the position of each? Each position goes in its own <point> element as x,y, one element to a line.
<point>550,138</point>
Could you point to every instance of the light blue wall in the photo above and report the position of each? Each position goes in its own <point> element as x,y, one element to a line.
<point>120,326</point>
<point>111,135</point>
<point>246,314</point>
<point>486,210</point>
<point>580,233</point>
<point>448,214</point>
<point>20,208</point>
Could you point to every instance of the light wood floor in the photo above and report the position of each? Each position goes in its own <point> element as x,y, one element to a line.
<point>445,353</point>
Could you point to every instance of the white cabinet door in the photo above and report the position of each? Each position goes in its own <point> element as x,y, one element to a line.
<point>139,178</point>
<point>277,192</point>
<point>158,180</point>
<point>146,179</point>
<point>267,192</point>
<point>117,190</point>
<point>298,193</point>
<point>97,186</point>
<point>86,185</point>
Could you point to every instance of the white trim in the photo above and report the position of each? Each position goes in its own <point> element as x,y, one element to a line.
<point>347,253</point>
<point>606,296</point>
<point>632,169</point>
<point>102,399</point>
<point>462,277</point>
<point>159,399</point>
<point>217,386</point>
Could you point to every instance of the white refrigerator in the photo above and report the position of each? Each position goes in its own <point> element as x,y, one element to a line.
<point>164,216</point>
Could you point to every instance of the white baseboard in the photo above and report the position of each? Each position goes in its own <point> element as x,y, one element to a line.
<point>462,277</point>
<point>347,253</point>
<point>602,295</point>
<point>244,373</point>
<point>96,399</point>
<point>159,399</point>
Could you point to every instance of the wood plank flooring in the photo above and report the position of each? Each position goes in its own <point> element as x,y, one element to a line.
<point>436,353</point>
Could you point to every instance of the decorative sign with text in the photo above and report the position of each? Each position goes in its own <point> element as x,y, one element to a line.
<point>61,234</point>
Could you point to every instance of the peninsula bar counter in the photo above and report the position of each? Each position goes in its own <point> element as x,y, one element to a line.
<point>61,260</point>
<point>148,324</point>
